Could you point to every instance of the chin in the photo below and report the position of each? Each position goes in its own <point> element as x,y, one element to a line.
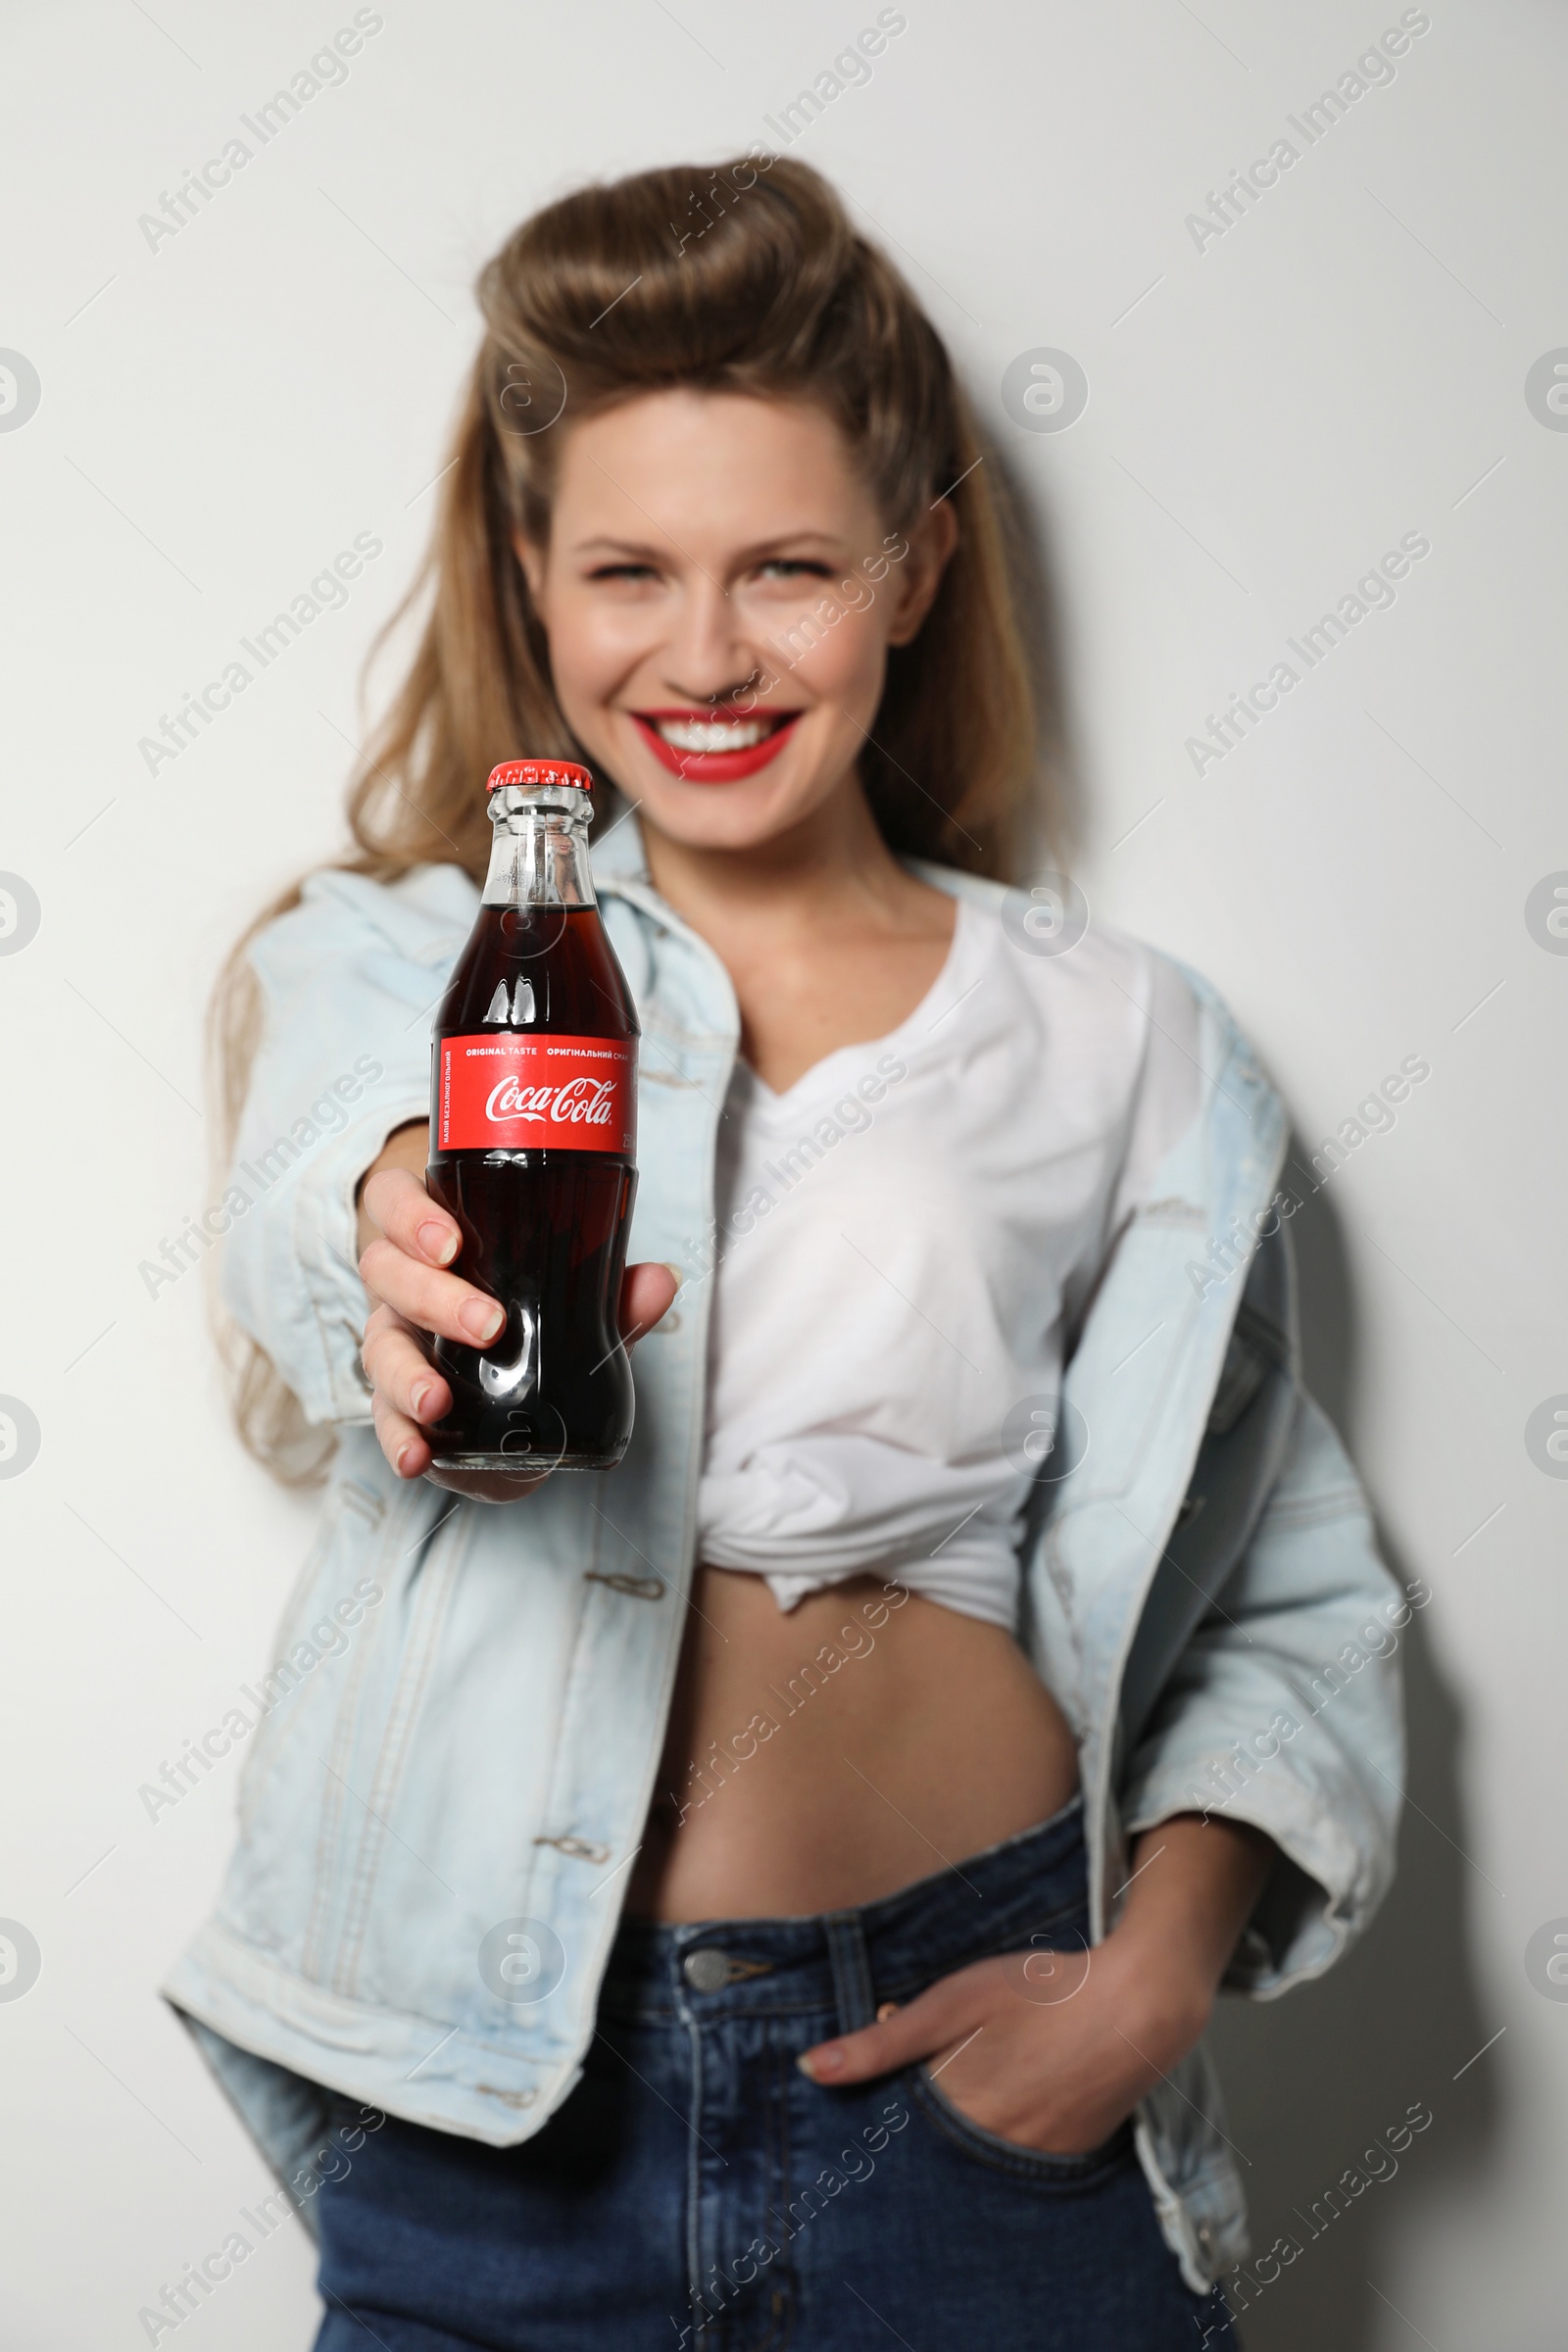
<point>740,812</point>
<point>721,816</point>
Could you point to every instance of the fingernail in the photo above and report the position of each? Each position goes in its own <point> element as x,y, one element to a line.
<point>482,1318</point>
<point>817,2065</point>
<point>404,1452</point>
<point>421,1398</point>
<point>438,1242</point>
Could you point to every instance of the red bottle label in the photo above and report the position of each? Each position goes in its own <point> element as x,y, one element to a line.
<point>502,1091</point>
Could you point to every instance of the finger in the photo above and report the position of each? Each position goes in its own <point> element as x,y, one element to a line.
<point>408,1448</point>
<point>399,1369</point>
<point>405,1446</point>
<point>933,2021</point>
<point>434,1302</point>
<point>395,1199</point>
<point>646,1298</point>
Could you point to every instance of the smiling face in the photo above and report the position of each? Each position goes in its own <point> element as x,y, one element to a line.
<point>719,594</point>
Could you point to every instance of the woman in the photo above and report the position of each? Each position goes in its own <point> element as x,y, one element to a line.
<point>775,1891</point>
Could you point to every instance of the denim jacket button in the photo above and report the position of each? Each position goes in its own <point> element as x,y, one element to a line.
<point>707,1971</point>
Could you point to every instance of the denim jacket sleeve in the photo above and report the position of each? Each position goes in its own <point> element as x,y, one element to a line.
<point>349,979</point>
<point>1283,1705</point>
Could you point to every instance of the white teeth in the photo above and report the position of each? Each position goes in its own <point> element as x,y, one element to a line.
<point>711,734</point>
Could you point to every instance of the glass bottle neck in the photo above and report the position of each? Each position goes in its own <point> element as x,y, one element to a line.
<point>539,856</point>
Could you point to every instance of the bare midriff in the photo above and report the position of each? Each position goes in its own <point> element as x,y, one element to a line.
<point>826,1755</point>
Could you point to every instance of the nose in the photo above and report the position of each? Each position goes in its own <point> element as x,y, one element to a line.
<point>709,657</point>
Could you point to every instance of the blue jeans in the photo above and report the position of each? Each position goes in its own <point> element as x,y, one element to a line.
<point>696,2190</point>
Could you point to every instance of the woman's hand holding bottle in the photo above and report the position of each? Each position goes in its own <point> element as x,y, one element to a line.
<point>407,1244</point>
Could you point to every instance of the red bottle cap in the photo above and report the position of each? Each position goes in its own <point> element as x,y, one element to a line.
<point>527,772</point>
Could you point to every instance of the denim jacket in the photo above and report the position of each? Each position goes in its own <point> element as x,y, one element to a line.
<point>464,1717</point>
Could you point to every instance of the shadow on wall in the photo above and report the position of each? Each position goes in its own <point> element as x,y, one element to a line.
<point>1053,831</point>
<point>1316,2082</point>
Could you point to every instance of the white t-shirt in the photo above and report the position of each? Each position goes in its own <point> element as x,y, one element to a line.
<point>906,1235</point>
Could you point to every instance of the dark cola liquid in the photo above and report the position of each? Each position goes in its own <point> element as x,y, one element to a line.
<point>544,1230</point>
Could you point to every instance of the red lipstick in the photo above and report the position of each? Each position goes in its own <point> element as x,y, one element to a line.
<point>714,766</point>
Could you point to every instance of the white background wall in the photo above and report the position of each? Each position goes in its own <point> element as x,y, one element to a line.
<point>1266,415</point>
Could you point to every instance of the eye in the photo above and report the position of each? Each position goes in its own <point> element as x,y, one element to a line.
<point>791,567</point>
<point>622,571</point>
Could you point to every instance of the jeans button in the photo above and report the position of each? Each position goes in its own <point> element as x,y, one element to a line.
<point>706,1971</point>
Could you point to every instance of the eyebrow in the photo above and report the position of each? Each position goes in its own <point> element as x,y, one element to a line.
<point>645,549</point>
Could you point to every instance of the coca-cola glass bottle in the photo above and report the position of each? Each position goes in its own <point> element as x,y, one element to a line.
<point>533,1123</point>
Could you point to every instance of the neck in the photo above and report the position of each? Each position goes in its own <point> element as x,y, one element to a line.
<point>831,868</point>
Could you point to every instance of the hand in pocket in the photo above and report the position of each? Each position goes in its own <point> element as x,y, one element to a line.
<point>1048,2049</point>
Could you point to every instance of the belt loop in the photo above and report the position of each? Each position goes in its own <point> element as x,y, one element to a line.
<point>852,1969</point>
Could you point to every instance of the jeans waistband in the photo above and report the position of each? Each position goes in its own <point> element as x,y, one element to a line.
<point>1030,1886</point>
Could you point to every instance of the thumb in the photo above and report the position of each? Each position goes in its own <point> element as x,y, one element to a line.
<point>647,1295</point>
<point>899,2037</point>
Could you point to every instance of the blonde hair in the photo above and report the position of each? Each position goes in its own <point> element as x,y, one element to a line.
<point>591,301</point>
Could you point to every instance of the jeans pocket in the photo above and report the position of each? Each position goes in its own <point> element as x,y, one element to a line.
<point>1012,2156</point>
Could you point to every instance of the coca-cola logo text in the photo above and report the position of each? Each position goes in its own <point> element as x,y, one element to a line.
<point>579,1102</point>
<point>564,1094</point>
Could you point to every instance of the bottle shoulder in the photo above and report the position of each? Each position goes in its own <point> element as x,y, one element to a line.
<point>541,969</point>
